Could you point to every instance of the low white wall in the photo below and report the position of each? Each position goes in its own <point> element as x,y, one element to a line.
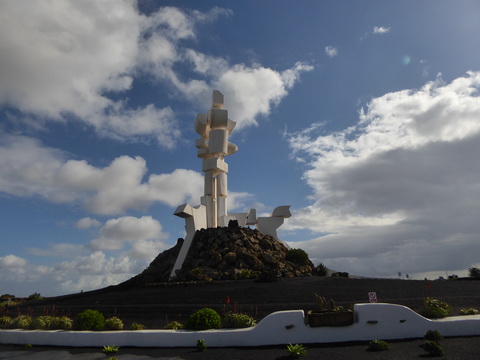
<point>371,321</point>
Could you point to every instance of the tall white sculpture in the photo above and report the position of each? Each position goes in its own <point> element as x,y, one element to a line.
<point>214,129</point>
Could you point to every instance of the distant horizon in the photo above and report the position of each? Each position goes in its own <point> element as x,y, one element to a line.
<point>364,117</point>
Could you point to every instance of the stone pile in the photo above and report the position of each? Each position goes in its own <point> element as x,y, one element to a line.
<point>226,253</point>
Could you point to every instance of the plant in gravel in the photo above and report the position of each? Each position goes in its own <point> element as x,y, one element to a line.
<point>378,345</point>
<point>89,320</point>
<point>114,323</point>
<point>237,321</point>
<point>174,325</point>
<point>135,326</point>
<point>435,309</point>
<point>61,323</point>
<point>296,350</point>
<point>5,321</point>
<point>110,349</point>
<point>433,335</point>
<point>21,322</point>
<point>27,346</point>
<point>469,311</point>
<point>201,345</point>
<point>204,319</point>
<point>41,322</point>
<point>432,348</point>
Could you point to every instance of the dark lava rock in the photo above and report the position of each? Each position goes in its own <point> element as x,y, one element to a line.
<point>224,254</point>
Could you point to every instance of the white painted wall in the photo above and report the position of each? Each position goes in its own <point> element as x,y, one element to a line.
<point>372,321</point>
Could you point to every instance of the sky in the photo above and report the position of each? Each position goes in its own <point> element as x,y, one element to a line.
<point>363,116</point>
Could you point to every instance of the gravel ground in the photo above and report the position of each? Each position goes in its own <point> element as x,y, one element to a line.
<point>454,348</point>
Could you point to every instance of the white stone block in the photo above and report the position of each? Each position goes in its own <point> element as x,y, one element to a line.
<point>214,164</point>
<point>217,99</point>
<point>218,142</point>
<point>282,211</point>
<point>218,118</point>
<point>201,125</point>
<point>252,217</point>
<point>222,188</point>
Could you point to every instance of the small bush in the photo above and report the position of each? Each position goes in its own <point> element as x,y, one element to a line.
<point>474,272</point>
<point>321,270</point>
<point>34,296</point>
<point>433,335</point>
<point>246,274</point>
<point>298,257</point>
<point>89,320</point>
<point>21,322</point>
<point>432,348</point>
<point>201,345</point>
<point>5,321</point>
<point>378,345</point>
<point>41,323</point>
<point>61,323</point>
<point>435,309</point>
<point>237,321</point>
<point>114,323</point>
<point>174,325</point>
<point>469,311</point>
<point>204,319</point>
<point>296,350</point>
<point>110,349</point>
<point>135,326</point>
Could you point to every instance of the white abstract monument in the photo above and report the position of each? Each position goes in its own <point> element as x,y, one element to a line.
<point>214,129</point>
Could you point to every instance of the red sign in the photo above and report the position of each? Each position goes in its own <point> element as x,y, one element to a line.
<point>372,296</point>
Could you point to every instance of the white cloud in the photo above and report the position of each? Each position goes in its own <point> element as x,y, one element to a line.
<point>69,61</point>
<point>27,168</point>
<point>87,223</point>
<point>11,261</point>
<point>331,51</point>
<point>397,191</point>
<point>381,29</point>
<point>116,233</point>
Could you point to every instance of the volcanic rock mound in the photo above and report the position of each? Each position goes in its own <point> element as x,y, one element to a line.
<point>224,254</point>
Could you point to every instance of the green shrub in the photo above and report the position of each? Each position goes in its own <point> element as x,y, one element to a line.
<point>135,326</point>
<point>296,350</point>
<point>204,319</point>
<point>110,349</point>
<point>34,296</point>
<point>21,322</point>
<point>174,325</point>
<point>432,348</point>
<point>435,309</point>
<point>433,335</point>
<point>237,321</point>
<point>321,270</point>
<point>469,311</point>
<point>5,321</point>
<point>474,272</point>
<point>61,323</point>
<point>41,322</point>
<point>201,345</point>
<point>298,257</point>
<point>89,320</point>
<point>378,345</point>
<point>114,323</point>
<point>246,274</point>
